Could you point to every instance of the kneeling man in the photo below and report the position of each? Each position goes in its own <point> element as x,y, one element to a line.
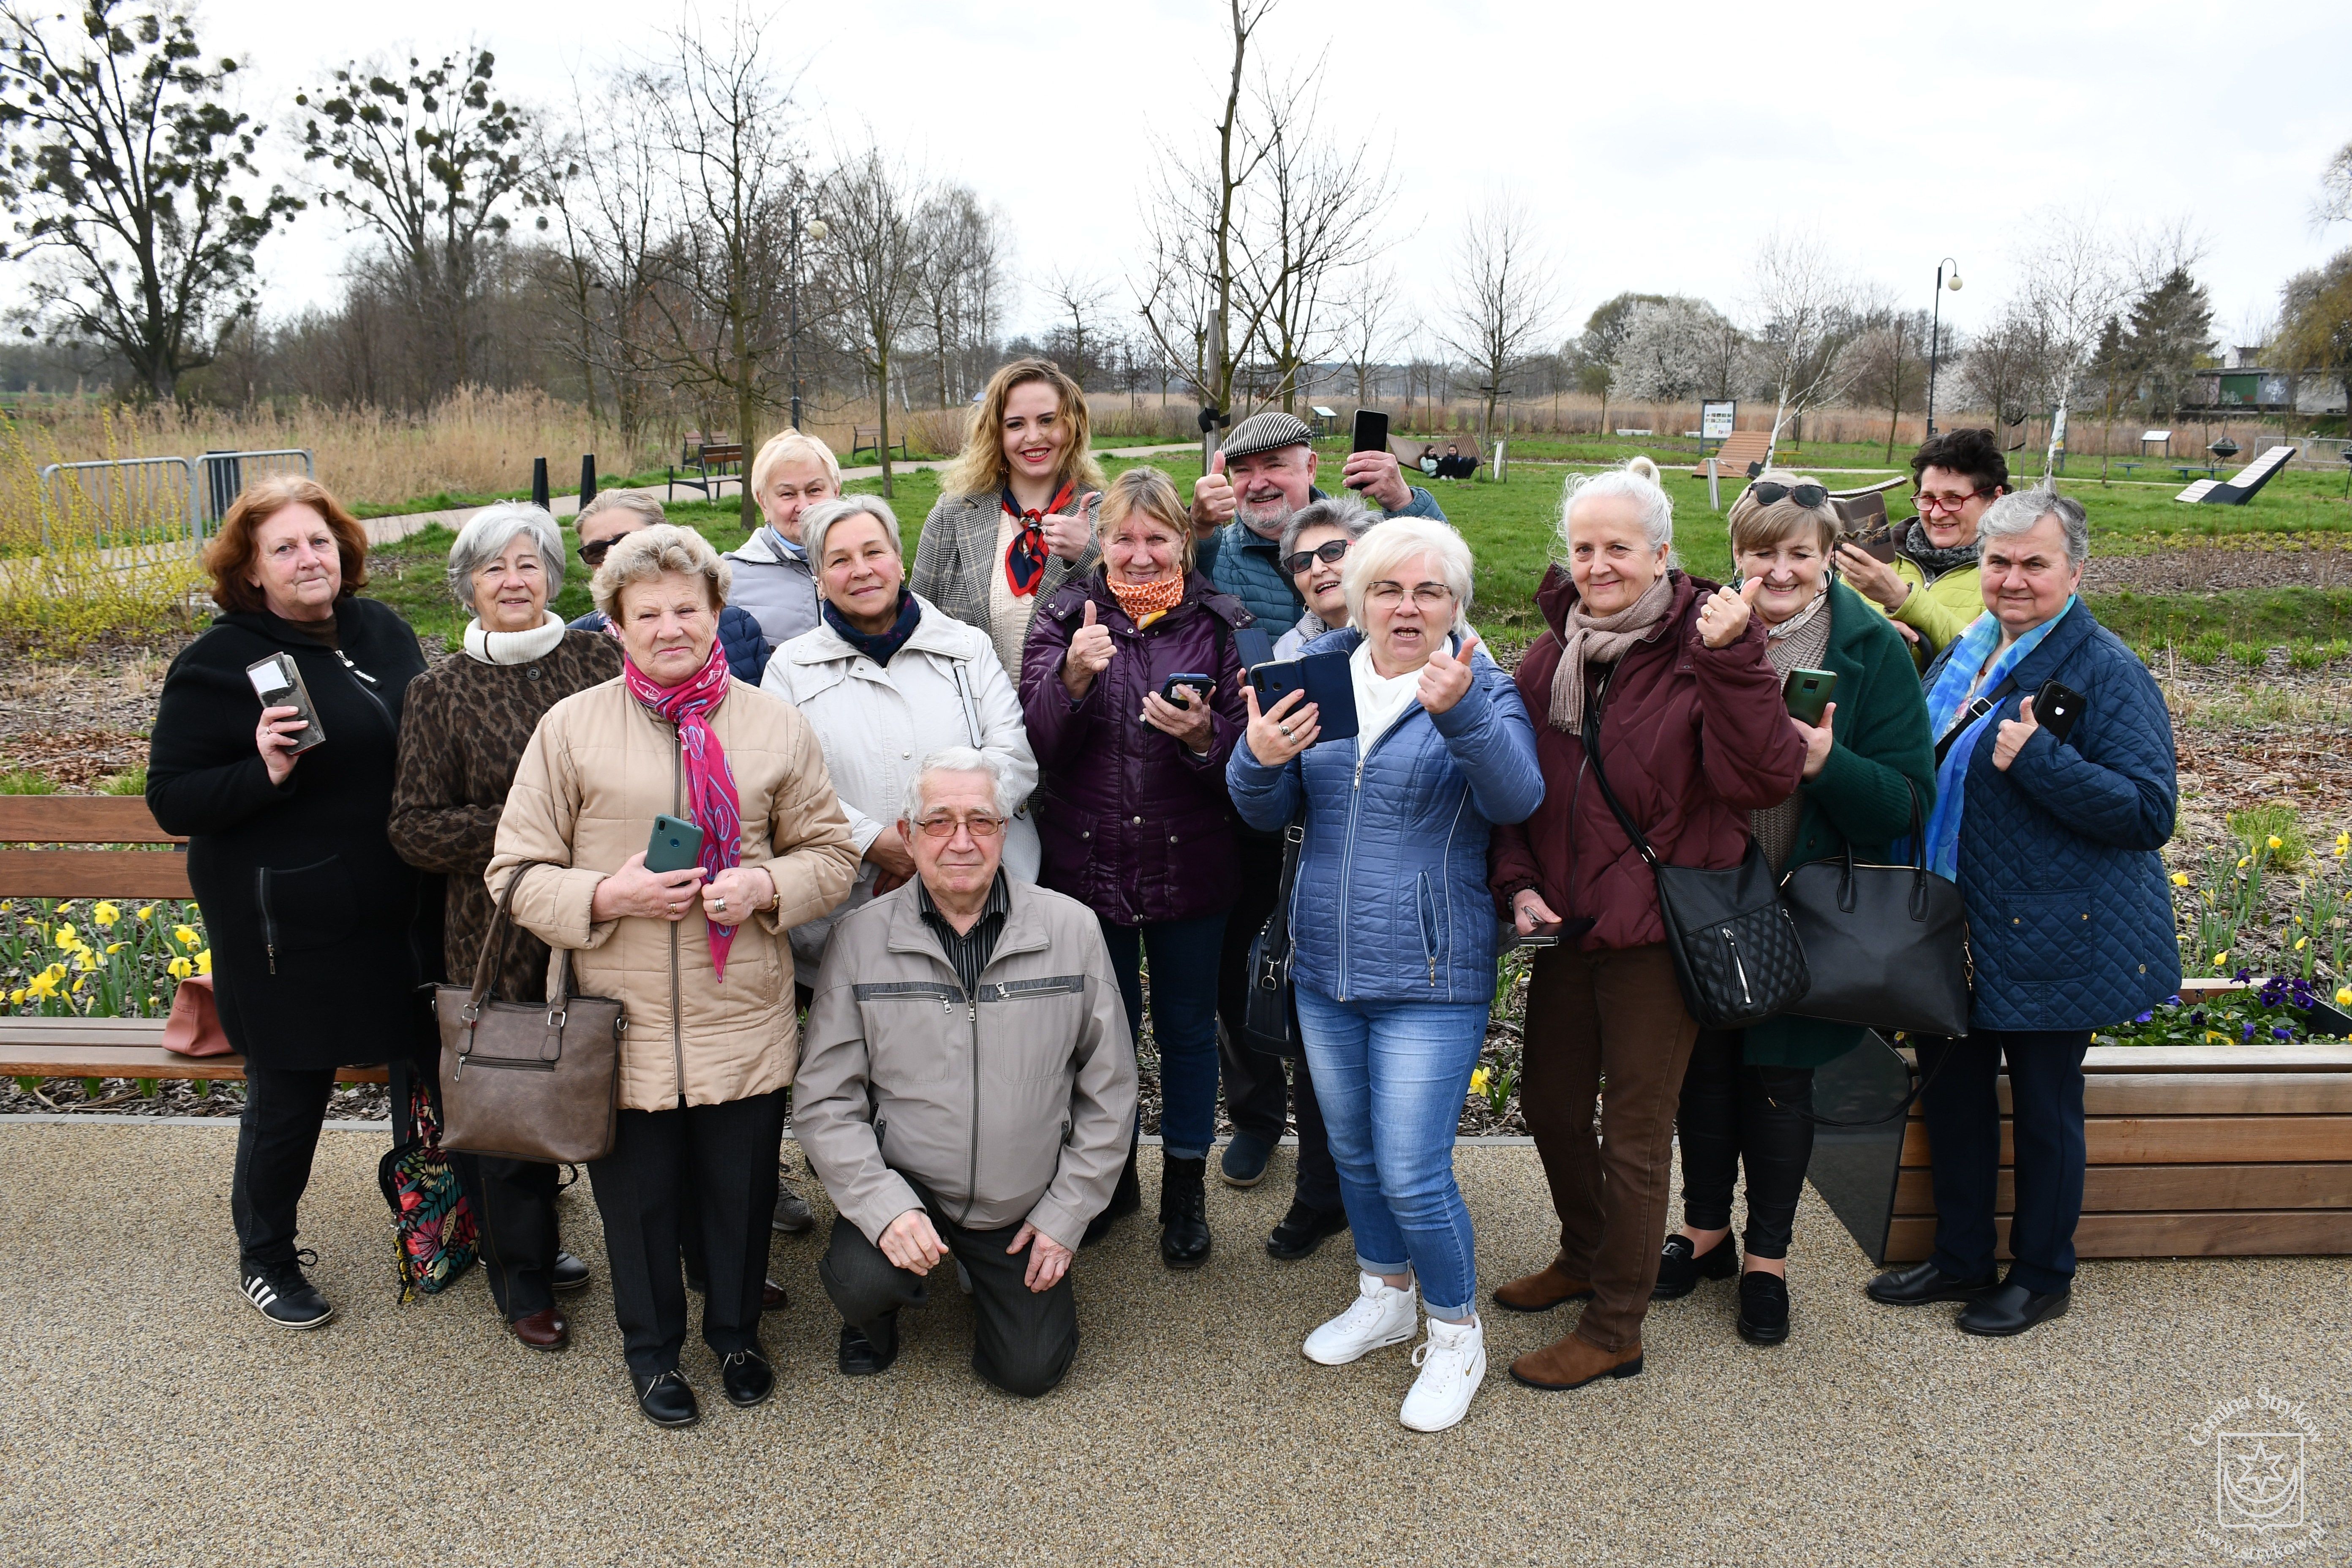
<point>967,1088</point>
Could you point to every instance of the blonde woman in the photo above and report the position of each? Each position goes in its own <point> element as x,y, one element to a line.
<point>773,579</point>
<point>1016,510</point>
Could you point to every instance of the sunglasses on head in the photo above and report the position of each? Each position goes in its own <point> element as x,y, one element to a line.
<point>1331,552</point>
<point>1772,492</point>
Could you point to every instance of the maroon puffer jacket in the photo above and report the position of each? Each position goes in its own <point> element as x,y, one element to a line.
<point>1693,738</point>
<point>1132,824</point>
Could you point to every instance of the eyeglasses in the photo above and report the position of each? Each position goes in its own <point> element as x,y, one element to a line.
<point>1928,500</point>
<point>1772,492</point>
<point>595,549</point>
<point>1428,595</point>
<point>978,825</point>
<point>1330,553</point>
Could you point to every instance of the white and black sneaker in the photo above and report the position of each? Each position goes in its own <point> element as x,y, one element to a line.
<point>280,1293</point>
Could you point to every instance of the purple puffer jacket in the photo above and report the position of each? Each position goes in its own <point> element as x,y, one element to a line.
<point>1133,824</point>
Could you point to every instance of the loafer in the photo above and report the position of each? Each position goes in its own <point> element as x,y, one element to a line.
<point>569,1273</point>
<point>1243,1164</point>
<point>1303,1230</point>
<point>541,1331</point>
<point>1571,1363</point>
<point>1680,1269</point>
<point>747,1378</point>
<point>792,1217</point>
<point>1183,1212</point>
<point>1763,1308</point>
<point>664,1400</point>
<point>859,1356</point>
<point>1923,1283</point>
<point>2011,1308</point>
<point>1125,1198</point>
<point>1542,1292</point>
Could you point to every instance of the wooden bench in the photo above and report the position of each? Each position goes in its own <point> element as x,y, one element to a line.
<point>1741,450</point>
<point>709,465</point>
<point>99,1048</point>
<point>869,439</point>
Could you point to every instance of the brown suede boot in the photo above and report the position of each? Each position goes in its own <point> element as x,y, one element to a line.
<point>1543,1291</point>
<point>1571,1363</point>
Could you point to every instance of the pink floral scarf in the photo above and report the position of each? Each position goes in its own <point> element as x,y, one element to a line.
<point>710,795</point>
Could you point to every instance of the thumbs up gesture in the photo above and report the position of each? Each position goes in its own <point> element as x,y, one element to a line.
<point>1067,533</point>
<point>1446,676</point>
<point>1090,655</point>
<point>1724,614</point>
<point>2014,733</point>
<point>1213,497</point>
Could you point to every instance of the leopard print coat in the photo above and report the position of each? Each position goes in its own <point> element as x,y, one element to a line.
<point>461,737</point>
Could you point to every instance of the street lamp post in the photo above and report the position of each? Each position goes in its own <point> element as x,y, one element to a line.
<point>1935,331</point>
<point>815,228</point>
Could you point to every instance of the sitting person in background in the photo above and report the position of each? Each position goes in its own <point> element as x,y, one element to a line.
<point>773,577</point>
<point>1454,466</point>
<point>965,976</point>
<point>1932,590</point>
<point>1428,463</point>
<point>613,516</point>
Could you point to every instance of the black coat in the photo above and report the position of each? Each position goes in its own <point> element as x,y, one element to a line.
<point>313,919</point>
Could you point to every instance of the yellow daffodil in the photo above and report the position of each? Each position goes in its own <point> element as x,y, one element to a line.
<point>2181,878</point>
<point>104,913</point>
<point>2301,943</point>
<point>2343,843</point>
<point>204,962</point>
<point>114,947</point>
<point>186,936</point>
<point>85,960</point>
<point>180,968</point>
<point>2344,996</point>
<point>2276,842</point>
<point>2244,861</point>
<point>2221,957</point>
<point>2211,1034</point>
<point>17,997</point>
<point>1478,1081</point>
<point>146,911</point>
<point>65,937</point>
<point>44,985</point>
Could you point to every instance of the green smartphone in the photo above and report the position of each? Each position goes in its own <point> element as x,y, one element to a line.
<point>1807,692</point>
<point>676,844</point>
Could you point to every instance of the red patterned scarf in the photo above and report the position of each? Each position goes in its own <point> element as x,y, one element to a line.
<point>1024,561</point>
<point>710,794</point>
<point>1147,602</point>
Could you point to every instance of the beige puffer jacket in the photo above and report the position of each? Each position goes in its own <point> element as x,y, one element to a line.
<point>599,768</point>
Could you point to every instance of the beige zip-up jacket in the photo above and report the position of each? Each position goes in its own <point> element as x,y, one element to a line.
<point>1012,1105</point>
<point>599,768</point>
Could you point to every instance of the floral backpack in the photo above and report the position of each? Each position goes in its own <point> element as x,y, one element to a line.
<point>434,1236</point>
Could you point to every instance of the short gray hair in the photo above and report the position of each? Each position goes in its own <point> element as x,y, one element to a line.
<point>1637,481</point>
<point>650,553</point>
<point>1346,513</point>
<point>487,533</point>
<point>958,760</point>
<point>818,520</point>
<point>2017,512</point>
<point>1399,539</point>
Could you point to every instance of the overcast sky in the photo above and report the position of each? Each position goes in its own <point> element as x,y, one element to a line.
<point>1650,141</point>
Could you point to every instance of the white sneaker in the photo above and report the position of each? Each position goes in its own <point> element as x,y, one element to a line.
<point>1380,1316</point>
<point>1453,1363</point>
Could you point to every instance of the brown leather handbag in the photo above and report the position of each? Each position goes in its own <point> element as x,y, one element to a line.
<point>523,1081</point>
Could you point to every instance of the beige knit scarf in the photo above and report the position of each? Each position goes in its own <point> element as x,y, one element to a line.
<point>1602,640</point>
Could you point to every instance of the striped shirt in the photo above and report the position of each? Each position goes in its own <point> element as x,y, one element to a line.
<point>968,951</point>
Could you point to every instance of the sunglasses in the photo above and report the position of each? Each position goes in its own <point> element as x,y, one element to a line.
<point>595,550</point>
<point>1772,492</point>
<point>1330,553</point>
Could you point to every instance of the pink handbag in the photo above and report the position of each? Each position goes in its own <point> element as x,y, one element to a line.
<point>195,1027</point>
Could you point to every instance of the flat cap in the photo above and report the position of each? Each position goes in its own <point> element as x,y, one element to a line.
<point>1263,433</point>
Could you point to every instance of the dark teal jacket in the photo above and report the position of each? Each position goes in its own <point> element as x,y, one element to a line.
<point>1881,726</point>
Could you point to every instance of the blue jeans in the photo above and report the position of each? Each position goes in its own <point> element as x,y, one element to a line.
<point>1390,1078</point>
<point>1183,1019</point>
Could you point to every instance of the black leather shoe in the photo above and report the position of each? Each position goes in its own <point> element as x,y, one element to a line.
<point>1763,1308</point>
<point>569,1273</point>
<point>1679,1271</point>
<point>1125,1199</point>
<point>665,1400</point>
<point>2013,1309</point>
<point>860,1356</point>
<point>747,1377</point>
<point>1304,1229</point>
<point>1183,1212</point>
<point>1924,1282</point>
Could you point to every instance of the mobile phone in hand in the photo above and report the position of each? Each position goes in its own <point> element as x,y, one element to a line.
<point>676,845</point>
<point>2055,709</point>
<point>1544,934</point>
<point>1807,692</point>
<point>1200,683</point>
<point>278,681</point>
<point>1371,433</point>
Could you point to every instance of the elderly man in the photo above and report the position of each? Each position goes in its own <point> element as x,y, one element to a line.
<point>969,1088</point>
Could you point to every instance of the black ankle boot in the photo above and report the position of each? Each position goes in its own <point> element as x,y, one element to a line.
<point>1183,1212</point>
<point>1763,1308</point>
<point>1679,1271</point>
<point>1125,1199</point>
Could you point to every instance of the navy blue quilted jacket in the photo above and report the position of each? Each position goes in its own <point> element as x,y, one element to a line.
<point>1391,903</point>
<point>2070,918</point>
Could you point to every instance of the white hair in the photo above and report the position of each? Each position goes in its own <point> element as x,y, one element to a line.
<point>958,760</point>
<point>2020,511</point>
<point>1391,545</point>
<point>1637,481</point>
<point>487,533</point>
<point>819,520</point>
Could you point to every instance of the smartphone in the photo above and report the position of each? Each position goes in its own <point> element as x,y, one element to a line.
<point>676,845</point>
<point>1326,680</point>
<point>1807,692</point>
<point>1878,544</point>
<point>278,681</point>
<point>1544,934</point>
<point>2055,709</point>
<point>1372,432</point>
<point>1168,692</point>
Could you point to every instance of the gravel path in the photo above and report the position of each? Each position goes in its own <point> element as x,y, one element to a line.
<point>158,1421</point>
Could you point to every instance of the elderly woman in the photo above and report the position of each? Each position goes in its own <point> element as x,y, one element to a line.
<point>1315,544</point>
<point>309,912</point>
<point>613,516</point>
<point>697,957</point>
<point>886,680</point>
<point>773,578</point>
<point>1395,972</point>
<point>462,731</point>
<point>2054,844</point>
<point>1931,589</point>
<point>1132,808</point>
<point>1749,1095</point>
<point>1015,517</point>
<point>1692,729</point>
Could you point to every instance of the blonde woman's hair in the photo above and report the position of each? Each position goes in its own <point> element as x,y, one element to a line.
<point>980,469</point>
<point>789,445</point>
<point>1389,545</point>
<point>1755,526</point>
<point>656,552</point>
<point>1150,491</point>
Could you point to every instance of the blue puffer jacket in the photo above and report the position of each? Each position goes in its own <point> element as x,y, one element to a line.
<point>1243,563</point>
<point>2070,918</point>
<point>1391,903</point>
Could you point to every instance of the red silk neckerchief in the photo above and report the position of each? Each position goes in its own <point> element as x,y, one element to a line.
<point>1024,562</point>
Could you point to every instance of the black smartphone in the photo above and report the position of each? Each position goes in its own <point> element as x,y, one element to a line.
<point>1326,680</point>
<point>1544,934</point>
<point>2055,709</point>
<point>278,681</point>
<point>1168,692</point>
<point>1807,692</point>
<point>676,845</point>
<point>1372,431</point>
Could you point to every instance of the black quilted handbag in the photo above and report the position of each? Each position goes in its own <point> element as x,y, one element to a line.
<point>1887,945</point>
<point>1735,948</point>
<point>1270,1015</point>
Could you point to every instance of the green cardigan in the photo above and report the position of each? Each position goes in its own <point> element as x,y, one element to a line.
<point>1881,729</point>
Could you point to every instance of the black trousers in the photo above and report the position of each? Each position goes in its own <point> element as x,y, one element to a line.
<point>1262,1092</point>
<point>277,1137</point>
<point>1963,1114</point>
<point>1732,1113</point>
<point>515,1214</point>
<point>720,1161</point>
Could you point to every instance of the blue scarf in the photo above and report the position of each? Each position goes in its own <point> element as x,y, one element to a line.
<point>877,646</point>
<point>1945,699</point>
<point>784,547</point>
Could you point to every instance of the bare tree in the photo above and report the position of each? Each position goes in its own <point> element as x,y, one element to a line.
<point>1804,302</point>
<point>1502,297</point>
<point>962,287</point>
<point>878,254</point>
<point>1887,364</point>
<point>1368,325</point>
<point>2006,369</point>
<point>2076,278</point>
<point>1079,299</point>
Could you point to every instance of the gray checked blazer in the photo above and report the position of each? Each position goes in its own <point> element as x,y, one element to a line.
<point>957,549</point>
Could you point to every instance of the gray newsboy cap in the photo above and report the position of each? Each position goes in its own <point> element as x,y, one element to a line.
<point>1263,433</point>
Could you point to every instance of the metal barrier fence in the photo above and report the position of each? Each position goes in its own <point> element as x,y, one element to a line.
<point>132,500</point>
